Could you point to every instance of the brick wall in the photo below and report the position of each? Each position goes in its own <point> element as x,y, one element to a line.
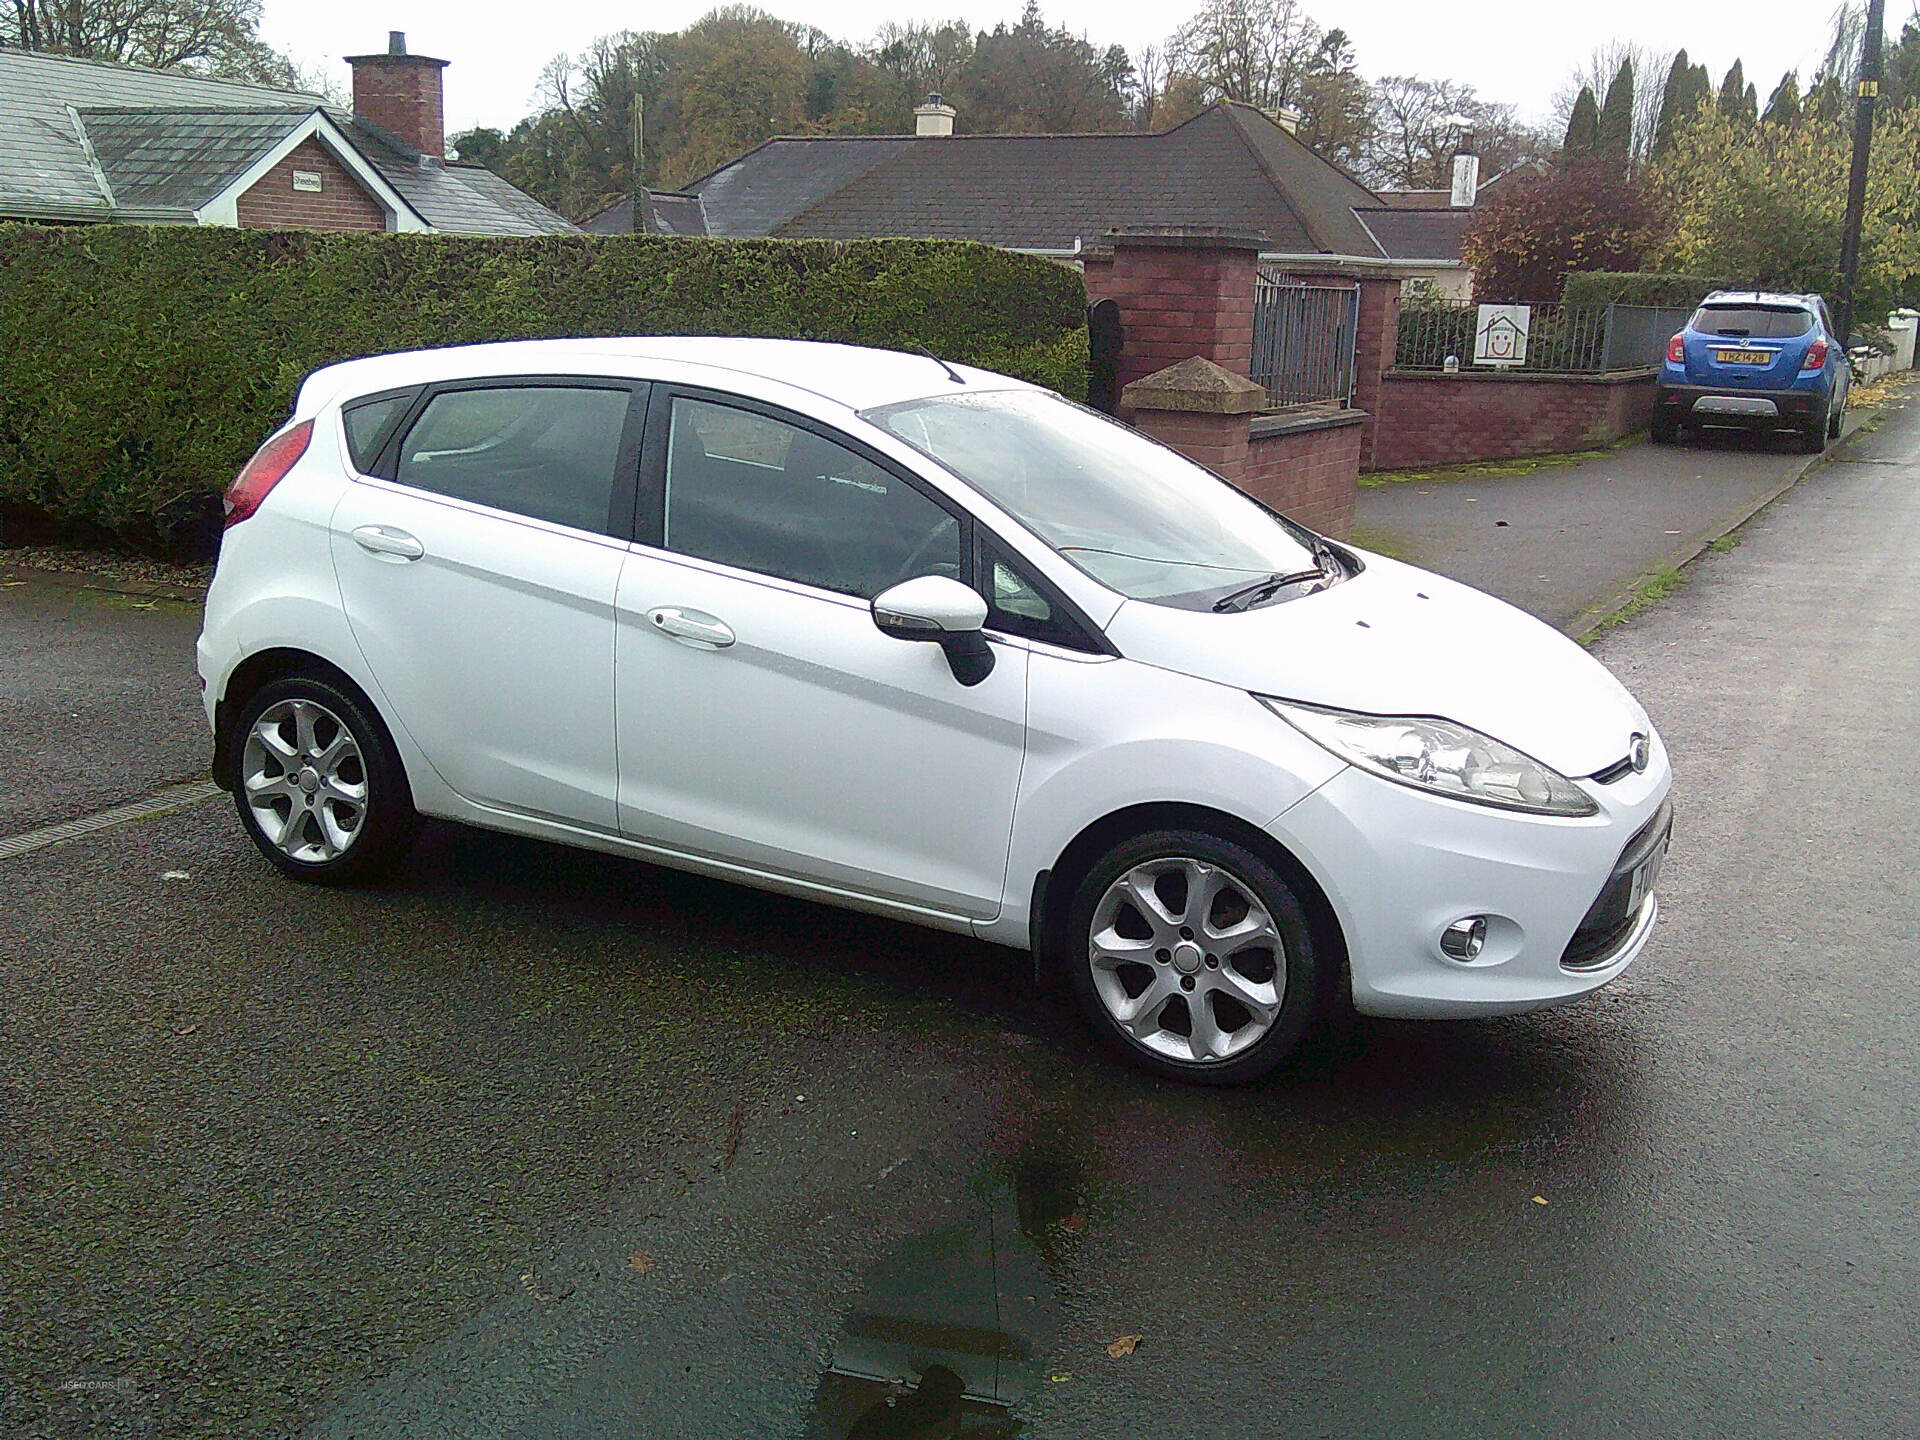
<point>1218,442</point>
<point>1427,418</point>
<point>1306,470</point>
<point>342,203</point>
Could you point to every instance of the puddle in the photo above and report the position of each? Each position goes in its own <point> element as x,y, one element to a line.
<point>953,1327</point>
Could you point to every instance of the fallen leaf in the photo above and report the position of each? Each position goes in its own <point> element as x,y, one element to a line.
<point>1125,1345</point>
<point>1539,1199</point>
<point>1059,1377</point>
<point>186,1029</point>
<point>176,875</point>
<point>1074,1223</point>
<point>640,1262</point>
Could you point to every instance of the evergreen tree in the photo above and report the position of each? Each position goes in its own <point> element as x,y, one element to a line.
<point>1749,108</point>
<point>1613,138</point>
<point>1673,103</point>
<point>1583,130</point>
<point>1733,92</point>
<point>1783,106</point>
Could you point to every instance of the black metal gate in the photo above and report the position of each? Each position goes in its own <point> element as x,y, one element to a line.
<point>1303,340</point>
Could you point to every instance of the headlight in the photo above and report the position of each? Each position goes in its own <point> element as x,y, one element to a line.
<point>1440,756</point>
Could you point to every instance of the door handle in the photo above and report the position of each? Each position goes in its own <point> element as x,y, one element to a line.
<point>385,540</point>
<point>692,627</point>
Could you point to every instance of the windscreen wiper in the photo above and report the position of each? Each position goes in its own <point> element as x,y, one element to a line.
<point>1248,596</point>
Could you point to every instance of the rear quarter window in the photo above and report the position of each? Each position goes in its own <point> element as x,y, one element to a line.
<point>368,424</point>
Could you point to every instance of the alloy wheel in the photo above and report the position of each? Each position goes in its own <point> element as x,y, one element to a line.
<point>305,781</point>
<point>1186,960</point>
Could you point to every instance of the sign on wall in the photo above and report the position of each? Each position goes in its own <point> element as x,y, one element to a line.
<point>308,180</point>
<point>1500,336</point>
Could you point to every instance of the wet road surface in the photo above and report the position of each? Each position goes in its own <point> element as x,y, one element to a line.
<point>540,1143</point>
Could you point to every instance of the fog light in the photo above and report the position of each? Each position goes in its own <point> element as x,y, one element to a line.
<point>1464,939</point>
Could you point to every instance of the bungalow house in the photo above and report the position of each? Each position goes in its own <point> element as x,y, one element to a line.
<point>89,143</point>
<point>1231,167</point>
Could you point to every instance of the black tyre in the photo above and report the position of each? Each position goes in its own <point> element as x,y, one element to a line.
<point>317,784</point>
<point>1813,439</point>
<point>1191,957</point>
<point>1665,431</point>
<point>1836,420</point>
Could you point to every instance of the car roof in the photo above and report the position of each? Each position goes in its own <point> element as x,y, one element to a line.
<point>850,375</point>
<point>1762,297</point>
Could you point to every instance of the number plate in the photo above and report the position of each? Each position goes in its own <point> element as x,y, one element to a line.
<point>1744,357</point>
<point>1646,876</point>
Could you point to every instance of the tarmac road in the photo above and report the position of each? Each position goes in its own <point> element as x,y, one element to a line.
<point>539,1143</point>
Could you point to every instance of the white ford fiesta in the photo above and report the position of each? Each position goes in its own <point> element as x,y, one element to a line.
<point>879,631</point>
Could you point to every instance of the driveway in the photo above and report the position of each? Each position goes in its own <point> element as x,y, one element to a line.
<point>533,1142</point>
<point>1568,543</point>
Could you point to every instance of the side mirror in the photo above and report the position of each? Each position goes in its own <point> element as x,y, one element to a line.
<point>945,612</point>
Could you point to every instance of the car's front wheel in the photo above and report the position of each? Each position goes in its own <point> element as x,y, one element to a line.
<point>1191,956</point>
<point>317,784</point>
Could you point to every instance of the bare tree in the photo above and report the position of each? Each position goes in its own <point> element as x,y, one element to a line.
<point>1256,51</point>
<point>213,37</point>
<point>1416,131</point>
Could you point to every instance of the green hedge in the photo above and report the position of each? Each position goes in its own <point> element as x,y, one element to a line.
<point>1640,287</point>
<point>140,366</point>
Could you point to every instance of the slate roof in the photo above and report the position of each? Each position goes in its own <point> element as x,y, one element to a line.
<point>1419,234</point>
<point>662,212</point>
<point>1230,166</point>
<point>763,190</point>
<point>80,140</point>
<point>179,159</point>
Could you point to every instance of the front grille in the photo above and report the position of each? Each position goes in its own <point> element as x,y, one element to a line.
<point>1619,770</point>
<point>1609,921</point>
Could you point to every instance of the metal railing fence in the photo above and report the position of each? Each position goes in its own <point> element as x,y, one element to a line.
<point>1561,339</point>
<point>1303,341</point>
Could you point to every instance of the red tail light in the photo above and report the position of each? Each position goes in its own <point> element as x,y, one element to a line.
<point>1816,356</point>
<point>1677,349</point>
<point>266,469</point>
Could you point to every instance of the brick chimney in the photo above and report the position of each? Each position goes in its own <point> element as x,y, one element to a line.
<point>401,94</point>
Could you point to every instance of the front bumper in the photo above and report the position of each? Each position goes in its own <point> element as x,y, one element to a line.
<point>1399,866</point>
<point>1732,405</point>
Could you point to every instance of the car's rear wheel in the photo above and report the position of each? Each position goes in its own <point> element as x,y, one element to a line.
<point>1813,439</point>
<point>317,784</point>
<point>1191,957</point>
<point>1666,430</point>
<point>1836,420</point>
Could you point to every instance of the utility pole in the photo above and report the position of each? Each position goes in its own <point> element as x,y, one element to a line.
<point>639,130</point>
<point>1868,93</point>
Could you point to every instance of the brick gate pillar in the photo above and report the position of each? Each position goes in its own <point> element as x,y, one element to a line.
<point>1201,409</point>
<point>1181,292</point>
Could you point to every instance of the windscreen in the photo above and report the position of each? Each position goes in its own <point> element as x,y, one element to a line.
<point>1759,322</point>
<point>1138,517</point>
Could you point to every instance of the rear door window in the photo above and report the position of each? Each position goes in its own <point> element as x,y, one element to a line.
<point>551,452</point>
<point>1757,322</point>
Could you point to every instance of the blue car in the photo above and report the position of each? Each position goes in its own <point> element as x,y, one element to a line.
<point>1765,361</point>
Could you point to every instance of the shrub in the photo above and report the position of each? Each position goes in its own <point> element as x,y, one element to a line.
<point>142,365</point>
<point>1642,287</point>
<point>1523,243</point>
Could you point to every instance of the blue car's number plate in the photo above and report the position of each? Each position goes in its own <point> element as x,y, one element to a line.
<point>1744,357</point>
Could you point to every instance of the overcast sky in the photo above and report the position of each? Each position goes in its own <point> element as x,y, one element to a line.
<point>1517,51</point>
